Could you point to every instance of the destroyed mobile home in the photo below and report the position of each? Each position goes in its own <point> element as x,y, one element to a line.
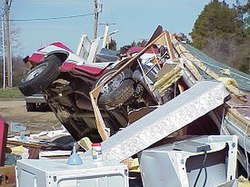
<point>167,104</point>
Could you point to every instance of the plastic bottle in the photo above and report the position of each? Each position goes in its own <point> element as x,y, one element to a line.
<point>97,152</point>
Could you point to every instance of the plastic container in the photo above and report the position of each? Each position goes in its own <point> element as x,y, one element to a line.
<point>97,152</point>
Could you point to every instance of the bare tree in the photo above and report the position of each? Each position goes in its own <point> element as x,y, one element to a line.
<point>9,39</point>
<point>228,50</point>
<point>15,32</point>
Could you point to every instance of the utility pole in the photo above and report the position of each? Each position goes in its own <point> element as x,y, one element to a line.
<point>98,9</point>
<point>9,56</point>
<point>3,50</point>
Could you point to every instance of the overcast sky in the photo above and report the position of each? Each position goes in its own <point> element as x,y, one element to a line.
<point>135,20</point>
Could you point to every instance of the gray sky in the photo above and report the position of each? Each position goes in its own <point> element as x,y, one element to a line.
<point>135,20</point>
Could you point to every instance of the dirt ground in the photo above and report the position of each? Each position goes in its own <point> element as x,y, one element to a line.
<point>14,111</point>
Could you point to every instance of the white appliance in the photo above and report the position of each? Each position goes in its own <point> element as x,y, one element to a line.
<point>202,161</point>
<point>57,173</point>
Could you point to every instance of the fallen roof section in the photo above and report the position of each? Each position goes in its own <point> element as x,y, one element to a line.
<point>243,79</point>
<point>166,119</point>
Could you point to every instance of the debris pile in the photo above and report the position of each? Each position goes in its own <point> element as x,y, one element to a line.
<point>162,107</point>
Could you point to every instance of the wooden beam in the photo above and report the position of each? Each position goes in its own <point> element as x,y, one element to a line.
<point>102,129</point>
<point>170,46</point>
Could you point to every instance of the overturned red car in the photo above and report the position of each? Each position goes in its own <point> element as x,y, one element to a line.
<point>67,79</point>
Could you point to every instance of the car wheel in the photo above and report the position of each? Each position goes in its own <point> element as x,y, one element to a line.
<point>40,77</point>
<point>118,90</point>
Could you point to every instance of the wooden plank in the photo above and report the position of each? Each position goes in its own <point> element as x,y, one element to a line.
<point>170,46</point>
<point>187,60</point>
<point>100,125</point>
<point>34,145</point>
<point>237,118</point>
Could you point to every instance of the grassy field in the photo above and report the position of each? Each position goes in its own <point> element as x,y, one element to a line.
<point>10,93</point>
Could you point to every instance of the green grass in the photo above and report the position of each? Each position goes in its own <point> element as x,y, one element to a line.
<point>10,93</point>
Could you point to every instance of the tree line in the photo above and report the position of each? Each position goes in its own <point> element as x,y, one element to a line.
<point>223,33</point>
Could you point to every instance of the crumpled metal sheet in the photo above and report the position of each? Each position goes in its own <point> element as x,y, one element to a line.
<point>166,119</point>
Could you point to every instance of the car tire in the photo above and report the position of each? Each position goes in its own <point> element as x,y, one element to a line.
<point>117,91</point>
<point>40,77</point>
